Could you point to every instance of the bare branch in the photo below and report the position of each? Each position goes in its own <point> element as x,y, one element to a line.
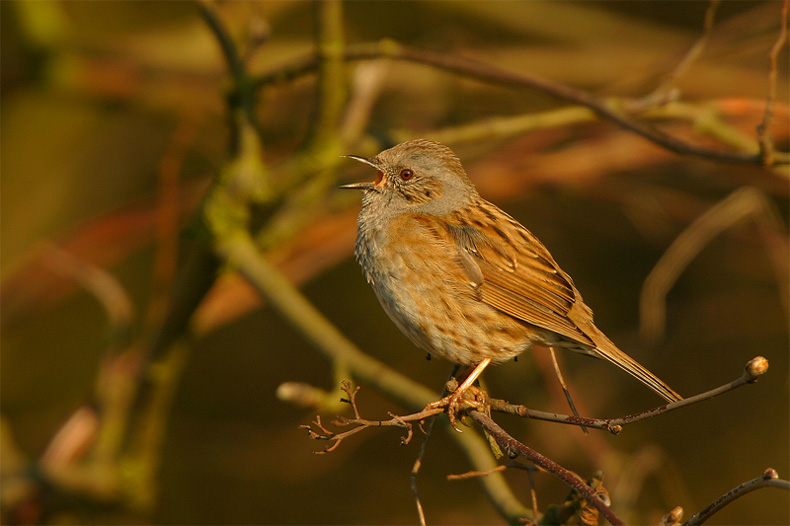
<point>516,448</point>
<point>490,74</point>
<point>331,76</point>
<point>242,93</point>
<point>753,370</point>
<point>473,474</point>
<point>769,479</point>
<point>668,91</point>
<point>101,285</point>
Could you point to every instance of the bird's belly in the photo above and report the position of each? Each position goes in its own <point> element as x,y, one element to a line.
<point>436,308</point>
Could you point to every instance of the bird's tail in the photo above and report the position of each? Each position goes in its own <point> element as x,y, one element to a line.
<point>607,350</point>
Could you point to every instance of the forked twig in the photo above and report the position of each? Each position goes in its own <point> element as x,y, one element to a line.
<point>317,431</point>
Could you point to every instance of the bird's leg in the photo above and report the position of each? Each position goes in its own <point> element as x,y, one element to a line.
<point>564,386</point>
<point>451,401</point>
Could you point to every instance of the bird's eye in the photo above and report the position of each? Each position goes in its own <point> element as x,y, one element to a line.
<point>406,174</point>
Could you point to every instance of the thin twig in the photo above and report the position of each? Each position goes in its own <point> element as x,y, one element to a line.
<point>668,90</point>
<point>474,474</point>
<point>494,75</point>
<point>428,428</point>
<point>428,432</point>
<point>533,495</point>
<point>764,134</point>
<point>753,370</point>
<point>769,479</point>
<point>530,469</point>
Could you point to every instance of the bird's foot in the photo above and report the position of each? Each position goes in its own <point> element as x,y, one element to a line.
<point>462,396</point>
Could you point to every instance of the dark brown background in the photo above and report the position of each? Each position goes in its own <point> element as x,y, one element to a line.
<point>92,95</point>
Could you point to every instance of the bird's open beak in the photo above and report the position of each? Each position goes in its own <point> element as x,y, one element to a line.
<point>364,186</point>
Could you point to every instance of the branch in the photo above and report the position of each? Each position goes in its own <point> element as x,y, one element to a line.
<point>317,431</point>
<point>514,447</point>
<point>331,76</point>
<point>753,370</point>
<point>242,94</point>
<point>668,90</point>
<point>764,135</point>
<point>494,75</point>
<point>769,479</point>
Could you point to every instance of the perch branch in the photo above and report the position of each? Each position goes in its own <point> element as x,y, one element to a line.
<point>753,370</point>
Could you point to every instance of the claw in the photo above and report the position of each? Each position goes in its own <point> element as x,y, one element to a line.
<point>452,401</point>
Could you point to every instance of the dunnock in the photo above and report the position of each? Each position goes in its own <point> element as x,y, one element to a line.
<point>460,277</point>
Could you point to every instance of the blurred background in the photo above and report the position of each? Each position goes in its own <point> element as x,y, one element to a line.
<point>114,125</point>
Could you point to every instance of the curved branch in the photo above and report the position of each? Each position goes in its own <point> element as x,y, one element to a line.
<point>769,479</point>
<point>242,91</point>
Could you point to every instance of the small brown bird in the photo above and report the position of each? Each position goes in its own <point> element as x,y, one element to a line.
<point>460,277</point>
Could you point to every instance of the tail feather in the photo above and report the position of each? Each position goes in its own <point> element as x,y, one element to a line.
<point>607,350</point>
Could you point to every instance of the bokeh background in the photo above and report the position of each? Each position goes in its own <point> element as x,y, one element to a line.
<point>114,125</point>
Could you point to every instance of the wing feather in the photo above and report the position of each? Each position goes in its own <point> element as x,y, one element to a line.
<point>515,274</point>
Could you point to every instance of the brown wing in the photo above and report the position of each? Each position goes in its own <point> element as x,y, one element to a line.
<point>515,273</point>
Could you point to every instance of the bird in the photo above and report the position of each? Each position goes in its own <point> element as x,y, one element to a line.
<point>462,279</point>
